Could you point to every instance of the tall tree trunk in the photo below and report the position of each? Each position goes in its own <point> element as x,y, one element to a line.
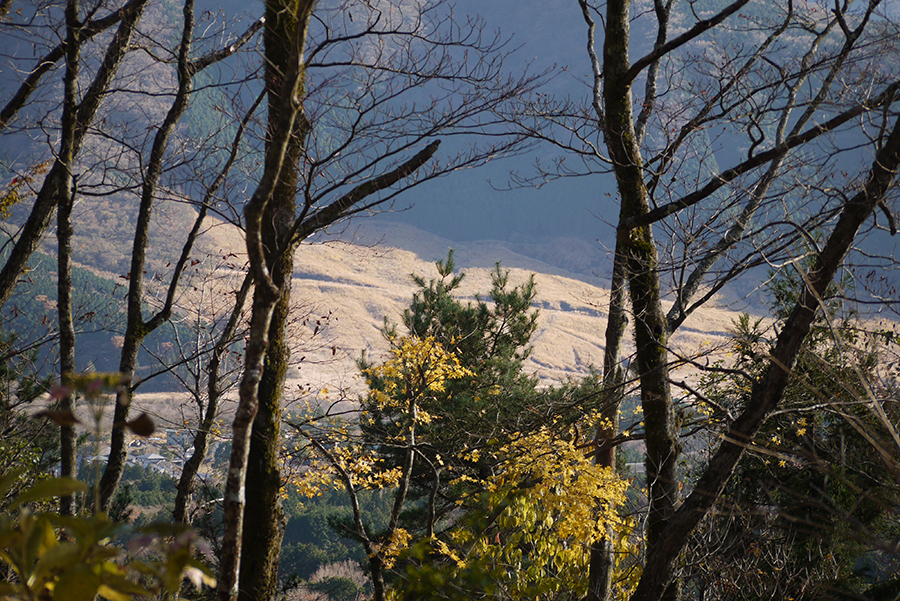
<point>264,521</point>
<point>136,329</point>
<point>66,197</point>
<point>641,268</point>
<point>602,559</point>
<point>286,26</point>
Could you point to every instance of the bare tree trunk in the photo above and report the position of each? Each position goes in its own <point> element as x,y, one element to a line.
<point>602,559</point>
<point>264,521</point>
<point>137,328</point>
<point>641,267</point>
<point>65,199</point>
<point>767,392</point>
<point>235,491</point>
<point>287,109</point>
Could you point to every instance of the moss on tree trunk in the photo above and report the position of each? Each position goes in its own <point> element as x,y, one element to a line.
<point>264,517</point>
<point>642,272</point>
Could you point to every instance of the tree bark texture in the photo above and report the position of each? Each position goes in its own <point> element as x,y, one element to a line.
<point>639,255</point>
<point>286,80</point>
<point>264,521</point>
<point>64,249</point>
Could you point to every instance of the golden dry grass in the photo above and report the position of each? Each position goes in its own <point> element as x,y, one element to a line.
<point>343,291</point>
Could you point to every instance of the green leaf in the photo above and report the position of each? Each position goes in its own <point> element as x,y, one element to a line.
<point>78,583</point>
<point>88,530</point>
<point>36,532</point>
<point>114,595</point>
<point>55,560</point>
<point>7,482</point>
<point>113,582</point>
<point>51,487</point>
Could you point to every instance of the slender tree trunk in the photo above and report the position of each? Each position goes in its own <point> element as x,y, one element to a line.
<point>284,112</point>
<point>136,329</point>
<point>641,267</point>
<point>66,197</point>
<point>264,521</point>
<point>235,491</point>
<point>602,559</point>
<point>66,343</point>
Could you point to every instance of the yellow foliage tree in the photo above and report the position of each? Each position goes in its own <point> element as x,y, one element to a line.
<point>415,369</point>
<point>523,533</point>
<point>527,534</point>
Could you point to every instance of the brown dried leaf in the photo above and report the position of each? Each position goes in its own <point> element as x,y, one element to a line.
<point>142,425</point>
<point>61,418</point>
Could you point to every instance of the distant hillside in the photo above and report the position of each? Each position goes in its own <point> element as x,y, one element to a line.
<point>343,292</point>
<point>361,285</point>
<point>99,314</point>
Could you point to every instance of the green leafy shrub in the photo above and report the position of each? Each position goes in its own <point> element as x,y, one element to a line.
<point>70,558</point>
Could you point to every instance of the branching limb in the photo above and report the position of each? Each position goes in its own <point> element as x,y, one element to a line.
<point>758,160</point>
<point>331,213</point>
<point>49,60</point>
<point>698,29</point>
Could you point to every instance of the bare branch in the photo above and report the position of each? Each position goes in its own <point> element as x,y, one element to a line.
<point>329,214</point>
<point>758,160</point>
<point>698,29</point>
<point>88,31</point>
